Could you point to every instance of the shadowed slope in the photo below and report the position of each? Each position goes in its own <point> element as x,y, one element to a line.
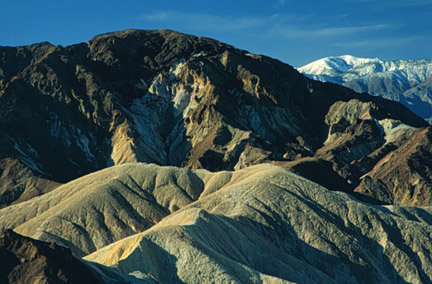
<point>25,260</point>
<point>30,261</point>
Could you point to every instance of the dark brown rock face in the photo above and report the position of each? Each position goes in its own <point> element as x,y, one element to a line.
<point>18,183</point>
<point>403,176</point>
<point>175,99</point>
<point>25,260</point>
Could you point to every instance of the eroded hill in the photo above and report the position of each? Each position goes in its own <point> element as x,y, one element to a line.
<point>261,224</point>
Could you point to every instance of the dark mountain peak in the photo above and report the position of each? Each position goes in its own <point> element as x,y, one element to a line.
<point>175,99</point>
<point>144,35</point>
<point>156,50</point>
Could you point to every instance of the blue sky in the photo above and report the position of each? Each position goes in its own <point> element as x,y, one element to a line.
<point>296,32</point>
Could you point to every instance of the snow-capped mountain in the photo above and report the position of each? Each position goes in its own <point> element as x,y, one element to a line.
<point>405,81</point>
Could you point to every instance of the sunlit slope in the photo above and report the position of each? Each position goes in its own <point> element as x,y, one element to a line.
<point>100,208</point>
<point>269,225</point>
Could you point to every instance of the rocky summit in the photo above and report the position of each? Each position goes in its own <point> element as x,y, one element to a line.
<point>174,99</point>
<point>163,157</point>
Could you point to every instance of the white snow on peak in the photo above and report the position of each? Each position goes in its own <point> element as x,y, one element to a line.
<point>396,80</point>
<point>335,64</point>
<point>344,68</point>
<point>347,68</point>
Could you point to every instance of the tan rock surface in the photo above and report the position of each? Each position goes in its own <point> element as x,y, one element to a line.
<point>262,224</point>
<point>98,209</point>
<point>267,225</point>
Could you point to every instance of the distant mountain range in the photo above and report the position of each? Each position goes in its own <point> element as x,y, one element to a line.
<point>161,157</point>
<point>406,81</point>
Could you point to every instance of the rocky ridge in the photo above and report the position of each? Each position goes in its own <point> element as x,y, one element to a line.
<point>173,99</point>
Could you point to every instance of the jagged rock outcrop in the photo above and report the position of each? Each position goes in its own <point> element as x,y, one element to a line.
<point>403,175</point>
<point>174,99</point>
